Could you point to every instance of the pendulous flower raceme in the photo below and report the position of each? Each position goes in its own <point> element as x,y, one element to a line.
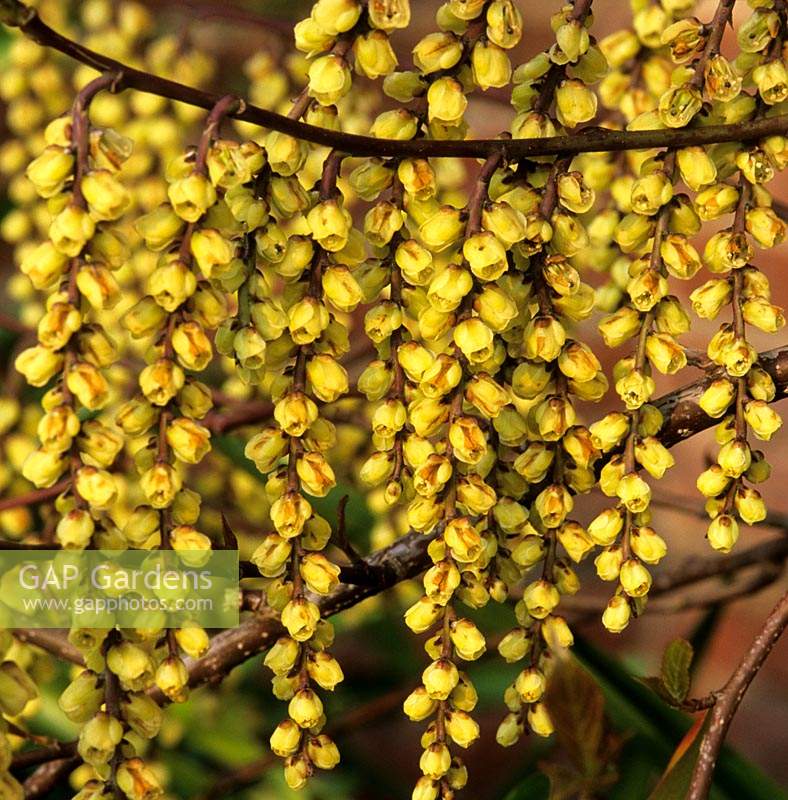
<point>413,328</point>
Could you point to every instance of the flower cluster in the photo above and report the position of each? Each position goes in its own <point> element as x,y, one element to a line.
<point>439,308</point>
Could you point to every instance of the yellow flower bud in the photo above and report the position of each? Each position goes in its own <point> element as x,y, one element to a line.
<point>543,338</point>
<point>49,171</point>
<point>723,532</point>
<point>88,384</point>
<point>171,283</point>
<point>306,708</point>
<point>307,320</point>
<point>462,728</point>
<point>617,614</point>
<point>467,639</point>
<point>191,196</point>
<point>212,251</point>
<point>106,196</point>
<point>721,80</point>
<point>436,52</point>
<point>647,545</point>
<point>319,573</point>
<point>329,79</point>
<point>490,65</point>
<point>474,339</point>
<point>678,105</point>
<point>765,227</point>
<point>98,739</point>
<point>608,563</point>
<point>530,685</point>
<point>189,440</point>
<point>635,578</point>
<point>541,598</point>
<point>70,230</point>
<point>375,57</point>
<point>435,762</point>
<point>509,731</point>
<point>710,297</point>
<point>574,194</point>
<point>604,529</point>
<point>389,15</point>
<point>43,467</point>
<point>716,201</point>
<point>161,381</point>
<point>727,250</point>
<point>300,617</point>
<point>286,738</point>
<point>635,388</point>
<point>463,540</point>
<point>57,325</point>
<point>616,328</point>
<point>763,315</point>
<point>486,395</point>
<point>44,265</point>
<point>159,227</point>
<point>634,231</point>
<point>440,678</point>
<point>539,720</point>
<point>486,255</point>
<point>634,492</point>
<point>98,286</point>
<point>160,484</point>
<point>665,353</point>
<point>449,287</point>
<point>651,192</point>
<point>716,399</point>
<point>442,229</point>
<point>575,103</point>
<point>341,288</point>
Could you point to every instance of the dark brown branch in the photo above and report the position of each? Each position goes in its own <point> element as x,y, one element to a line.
<point>42,755</point>
<point>241,414</point>
<point>698,569</point>
<point>34,497</point>
<point>591,139</point>
<point>53,641</point>
<point>11,323</point>
<point>684,417</point>
<point>48,776</point>
<point>730,697</point>
<point>720,595</point>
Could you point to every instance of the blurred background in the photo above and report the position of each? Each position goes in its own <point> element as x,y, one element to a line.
<point>215,746</point>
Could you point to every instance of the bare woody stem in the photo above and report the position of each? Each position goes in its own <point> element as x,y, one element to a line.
<point>80,128</point>
<point>590,139</point>
<point>730,697</point>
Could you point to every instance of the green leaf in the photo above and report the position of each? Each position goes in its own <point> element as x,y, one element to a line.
<point>675,672</point>
<point>657,686</point>
<point>637,708</point>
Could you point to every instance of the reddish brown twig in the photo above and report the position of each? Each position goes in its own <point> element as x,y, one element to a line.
<point>35,497</point>
<point>53,641</point>
<point>730,697</point>
<point>586,140</point>
<point>48,776</point>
